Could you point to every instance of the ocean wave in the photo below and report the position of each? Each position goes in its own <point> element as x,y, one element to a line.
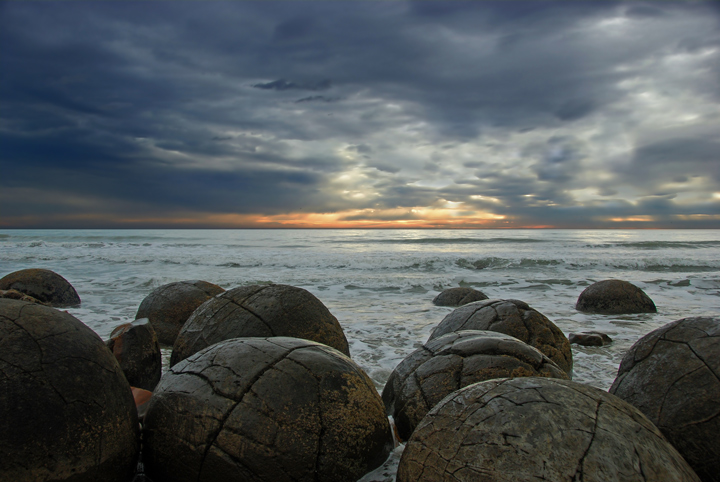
<point>651,245</point>
<point>440,241</point>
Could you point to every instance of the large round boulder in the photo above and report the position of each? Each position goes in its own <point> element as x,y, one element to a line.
<point>259,311</point>
<point>260,409</point>
<point>136,348</point>
<point>673,376</point>
<point>614,297</point>
<point>67,410</point>
<point>453,361</point>
<point>169,306</point>
<point>458,296</point>
<point>514,318</point>
<point>43,285</point>
<point>527,429</point>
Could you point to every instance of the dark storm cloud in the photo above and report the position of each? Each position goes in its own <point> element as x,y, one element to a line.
<point>212,105</point>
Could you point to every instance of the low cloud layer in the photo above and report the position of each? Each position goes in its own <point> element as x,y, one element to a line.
<point>432,114</point>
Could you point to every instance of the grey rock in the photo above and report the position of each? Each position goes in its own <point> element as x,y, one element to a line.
<point>458,296</point>
<point>589,338</point>
<point>527,429</point>
<point>136,348</point>
<point>67,410</point>
<point>260,409</point>
<point>614,297</point>
<point>672,375</point>
<point>43,285</point>
<point>169,306</point>
<point>514,318</point>
<point>453,361</point>
<point>259,311</point>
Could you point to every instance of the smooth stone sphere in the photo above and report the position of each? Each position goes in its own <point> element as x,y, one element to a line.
<point>614,297</point>
<point>265,409</point>
<point>136,348</point>
<point>259,311</point>
<point>514,318</point>
<point>43,285</point>
<point>169,306</point>
<point>458,297</point>
<point>528,429</point>
<point>672,375</point>
<point>67,410</point>
<point>453,361</point>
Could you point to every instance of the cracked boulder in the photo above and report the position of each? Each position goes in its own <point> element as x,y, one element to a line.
<point>453,361</point>
<point>169,306</point>
<point>43,285</point>
<point>136,348</point>
<point>458,297</point>
<point>259,311</point>
<point>514,318</point>
<point>614,297</point>
<point>672,375</point>
<point>265,409</point>
<point>524,429</point>
<point>67,410</point>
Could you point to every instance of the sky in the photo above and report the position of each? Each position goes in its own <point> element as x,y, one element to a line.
<point>377,114</point>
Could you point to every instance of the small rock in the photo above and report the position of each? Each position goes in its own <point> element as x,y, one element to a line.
<point>136,348</point>
<point>458,297</point>
<point>589,338</point>
<point>614,297</point>
<point>42,284</point>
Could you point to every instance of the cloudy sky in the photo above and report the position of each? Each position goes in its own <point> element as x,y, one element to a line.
<point>569,114</point>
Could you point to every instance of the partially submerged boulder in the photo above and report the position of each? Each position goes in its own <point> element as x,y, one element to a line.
<point>453,361</point>
<point>259,311</point>
<point>169,306</point>
<point>67,409</point>
<point>42,284</point>
<point>589,338</point>
<point>136,348</point>
<point>458,296</point>
<point>526,429</point>
<point>614,297</point>
<point>280,409</point>
<point>672,375</point>
<point>514,318</point>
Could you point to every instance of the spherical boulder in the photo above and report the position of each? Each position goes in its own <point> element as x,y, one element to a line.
<point>43,285</point>
<point>458,297</point>
<point>673,376</point>
<point>259,311</point>
<point>614,297</point>
<point>525,429</point>
<point>16,295</point>
<point>67,410</point>
<point>136,348</point>
<point>514,318</point>
<point>252,409</point>
<point>453,361</point>
<point>169,306</point>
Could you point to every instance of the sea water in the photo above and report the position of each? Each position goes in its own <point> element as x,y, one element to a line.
<point>380,283</point>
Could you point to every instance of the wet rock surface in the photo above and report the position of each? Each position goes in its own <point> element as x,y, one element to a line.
<point>67,410</point>
<point>169,306</point>
<point>458,297</point>
<point>514,318</point>
<point>525,429</point>
<point>252,409</point>
<point>16,295</point>
<point>673,376</point>
<point>614,297</point>
<point>259,311</point>
<point>136,348</point>
<point>589,338</point>
<point>453,361</point>
<point>43,285</point>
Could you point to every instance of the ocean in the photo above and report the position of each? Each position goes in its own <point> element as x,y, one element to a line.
<point>380,283</point>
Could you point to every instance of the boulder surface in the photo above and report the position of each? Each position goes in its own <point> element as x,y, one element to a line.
<point>514,318</point>
<point>453,361</point>
<point>672,375</point>
<point>136,348</point>
<point>67,410</point>
<point>458,296</point>
<point>259,311</point>
<point>43,285</point>
<point>169,306</point>
<point>614,297</point>
<point>526,429</point>
<point>260,409</point>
